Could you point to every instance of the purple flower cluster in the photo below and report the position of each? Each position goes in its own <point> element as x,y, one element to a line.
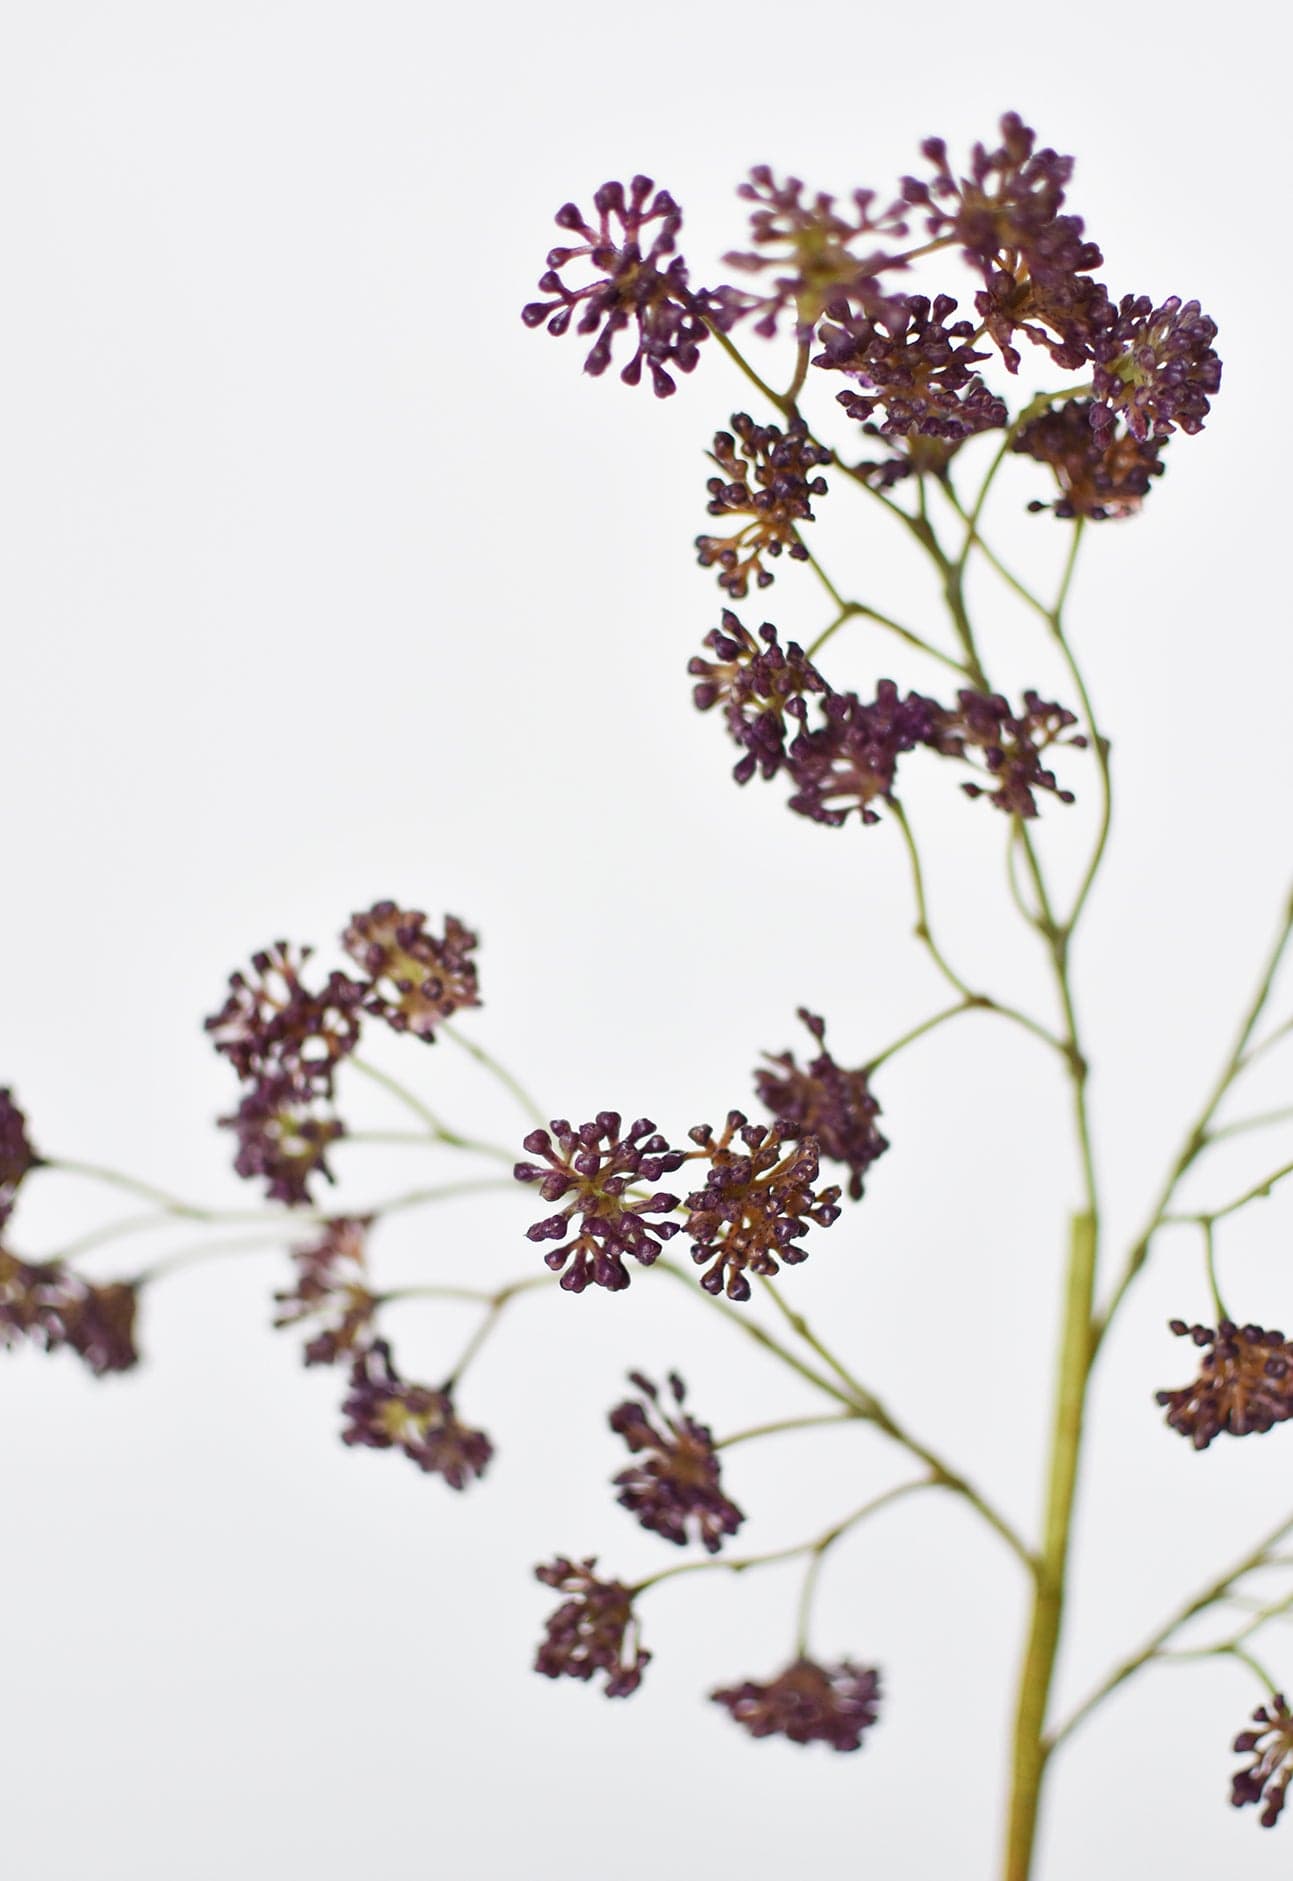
<point>629,284</point>
<point>1100,473</point>
<point>594,1630</point>
<point>808,1703</point>
<point>285,1039</point>
<point>331,1288</point>
<point>48,1304</point>
<point>674,1488</point>
<point>384,1413</point>
<point>1245,1383</point>
<point>1156,368</point>
<point>1266,1779</point>
<point>845,762</point>
<point>591,1169</point>
<point>768,477</point>
<point>914,368</point>
<point>825,1102</point>
<point>17,1157</point>
<point>756,1205</point>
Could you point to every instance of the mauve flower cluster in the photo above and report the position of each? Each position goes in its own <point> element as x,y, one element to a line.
<point>591,1168</point>
<point>47,1304</point>
<point>779,465</point>
<point>825,1102</point>
<point>383,1412</point>
<point>674,1488</point>
<point>845,762</point>
<point>1099,474</point>
<point>808,1703</point>
<point>17,1157</point>
<point>831,265</point>
<point>285,1039</point>
<point>594,1630</point>
<point>331,1288</point>
<point>1266,1778</point>
<point>629,284</point>
<point>1245,1383</point>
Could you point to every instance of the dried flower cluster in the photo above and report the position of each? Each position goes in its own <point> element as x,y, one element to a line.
<point>674,1488</point>
<point>384,1413</point>
<point>332,1289</point>
<point>591,1168</point>
<point>823,1101</point>
<point>767,476</point>
<point>808,1703</point>
<point>756,1205</point>
<point>594,1630</point>
<point>285,1039</point>
<point>47,1304</point>
<point>845,761</point>
<point>1245,1383</point>
<point>1266,1778</point>
<point>17,1157</point>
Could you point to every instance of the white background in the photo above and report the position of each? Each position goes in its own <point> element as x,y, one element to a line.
<point>324,580</point>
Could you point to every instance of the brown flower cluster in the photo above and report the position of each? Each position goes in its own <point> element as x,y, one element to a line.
<point>1244,1386</point>
<point>757,1203</point>
<point>591,1168</point>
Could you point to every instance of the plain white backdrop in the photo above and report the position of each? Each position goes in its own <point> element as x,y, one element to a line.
<point>324,580</point>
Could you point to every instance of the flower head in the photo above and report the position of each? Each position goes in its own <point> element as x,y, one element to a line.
<point>590,1169</point>
<point>1008,746</point>
<point>332,1289</point>
<point>50,1305</point>
<point>808,1703</point>
<point>1035,261</point>
<point>271,1022</point>
<point>1245,1383</point>
<point>813,242</point>
<point>1156,368</point>
<point>846,763</point>
<point>768,478</point>
<point>630,286</point>
<point>674,1489</point>
<point>756,1203</point>
<point>284,1132</point>
<point>825,1102</point>
<point>385,1413</point>
<point>417,980</point>
<point>1266,1778</point>
<point>17,1156</point>
<point>595,1630</point>
<point>758,687</point>
<point>914,368</point>
<point>1100,476</point>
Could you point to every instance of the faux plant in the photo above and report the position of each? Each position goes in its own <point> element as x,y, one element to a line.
<point>901,400</point>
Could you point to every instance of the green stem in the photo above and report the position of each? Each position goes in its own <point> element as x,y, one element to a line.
<point>1259,1192</point>
<point>1211,1594</point>
<point>918,1031</point>
<point>779,1424</point>
<point>209,1250</point>
<point>500,1072</point>
<point>1210,1264</point>
<point>1262,1120</point>
<point>436,1130</point>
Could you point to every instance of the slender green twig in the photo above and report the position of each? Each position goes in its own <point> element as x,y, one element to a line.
<point>1210,1267</point>
<point>435,1130</point>
<point>1262,1120</point>
<point>200,1252</point>
<point>918,1031</point>
<point>1258,1192</point>
<point>778,1424</point>
<point>499,1072</point>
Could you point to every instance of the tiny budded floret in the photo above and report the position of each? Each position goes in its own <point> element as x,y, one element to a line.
<point>629,284</point>
<point>332,1289</point>
<point>914,369</point>
<point>595,1630</point>
<point>591,1168</point>
<point>756,1203</point>
<point>674,1488</point>
<point>1266,1778</point>
<point>417,980</point>
<point>808,1703</point>
<point>779,465</point>
<point>272,1022</point>
<point>759,688</point>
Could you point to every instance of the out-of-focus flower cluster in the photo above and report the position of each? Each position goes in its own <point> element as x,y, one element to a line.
<point>383,1412</point>
<point>17,1157</point>
<point>285,1038</point>
<point>823,1101</point>
<point>674,1487</point>
<point>808,1703</point>
<point>843,761</point>
<point>1266,1779</point>
<point>593,1631</point>
<point>1245,1383</point>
